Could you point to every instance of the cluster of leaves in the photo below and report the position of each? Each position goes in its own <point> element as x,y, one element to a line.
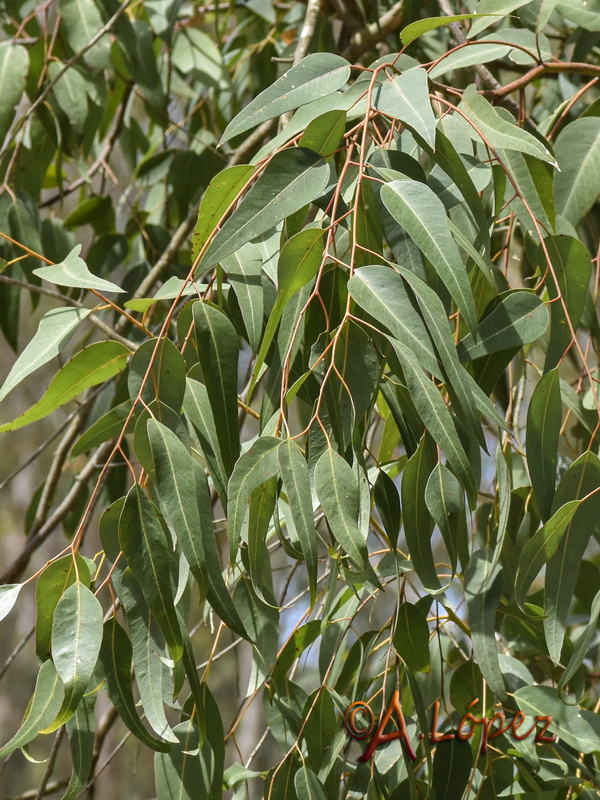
<point>372,368</point>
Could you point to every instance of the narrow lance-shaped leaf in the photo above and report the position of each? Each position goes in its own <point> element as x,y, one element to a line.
<point>296,482</point>
<point>43,708</point>
<point>570,275</point>
<point>483,588</point>
<point>14,65</point>
<point>337,491</point>
<point>196,406</point>
<point>292,179</point>
<point>115,658</point>
<point>544,418</point>
<point>308,786</point>
<point>183,773</point>
<point>53,334</point>
<point>498,131</point>
<point>411,637</point>
<point>582,478</point>
<point>147,647</point>
<point>93,365</point>
<point>421,213</point>
<point>315,76</point>
<point>421,26</point>
<point>406,98</point>
<point>144,545</point>
<point>445,501</point>
<point>218,352</point>
<point>299,262</point>
<point>244,269</point>
<point>520,318</point>
<point>76,640</point>
<point>256,465</point>
<point>8,597</point>
<point>81,729</point>
<point>541,547</point>
<point>74,272</point>
<point>577,185</point>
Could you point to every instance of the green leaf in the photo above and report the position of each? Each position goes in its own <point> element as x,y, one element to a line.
<point>581,13</point>
<point>76,640</point>
<point>82,21</point>
<point>519,318</point>
<point>92,365</point>
<point>51,585</point>
<point>497,130</point>
<point>8,597</point>
<point>308,786</point>
<point>53,334</point>
<point>291,180</point>
<point>568,721</point>
<point>323,134</point>
<point>483,589</point>
<point>81,729</point>
<point>582,477</point>
<point>421,213</point>
<point>317,75</point>
<point>70,92</point>
<point>144,545</point>
<point>381,292</point>
<point>406,98</point>
<point>74,272</point>
<point>157,370</point>
<point>107,427</point>
<point>583,642</point>
<point>182,774</point>
<point>544,418</point>
<point>411,637</point>
<point>218,351</point>
<point>148,650</point>
<point>421,26</point>
<point>296,482</point>
<point>541,547</point>
<point>196,406</point>
<point>338,494</point>
<point>220,194</point>
<point>244,269</point>
<point>570,275</point>
<point>43,707</point>
<point>451,769</point>
<point>14,66</point>
<point>254,467</point>
<point>438,420</point>
<point>497,7</point>
<point>446,504</point>
<point>115,658</point>
<point>299,262</point>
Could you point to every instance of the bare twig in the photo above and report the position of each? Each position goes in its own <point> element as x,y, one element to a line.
<point>366,38</point>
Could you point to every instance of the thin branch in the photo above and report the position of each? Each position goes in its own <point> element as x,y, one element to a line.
<point>51,763</point>
<point>549,68</point>
<point>374,33</point>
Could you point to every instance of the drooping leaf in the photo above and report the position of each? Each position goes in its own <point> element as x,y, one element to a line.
<point>107,427</point>
<point>308,786</point>
<point>315,76</point>
<point>220,194</point>
<point>541,547</point>
<point>338,494</point>
<point>520,318</point>
<point>76,640</point>
<point>411,637</point>
<point>8,597</point>
<point>294,472</point>
<point>544,418</point>
<point>451,768</point>
<point>244,269</point>
<point>445,501</point>
<point>406,98</point>
<point>570,275</point>
<point>81,729</point>
<point>81,21</point>
<point>53,334</point>
<point>255,466</point>
<point>198,411</point>
<point>218,350</point>
<point>93,365</point>
<point>74,272</point>
<point>483,589</point>
<point>582,478</point>
<point>183,773</point>
<point>577,185</point>
<point>157,371</point>
<point>115,658</point>
<point>144,545</point>
<point>421,213</point>
<point>291,180</point>
<point>14,64</point>
<point>147,650</point>
<point>45,703</point>
<point>497,130</point>
<point>421,26</point>
<point>583,642</point>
